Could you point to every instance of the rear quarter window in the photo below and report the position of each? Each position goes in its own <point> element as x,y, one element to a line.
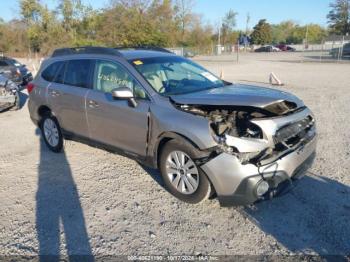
<point>50,72</point>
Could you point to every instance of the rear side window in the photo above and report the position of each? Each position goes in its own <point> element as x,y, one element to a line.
<point>60,75</point>
<point>77,73</point>
<point>50,72</point>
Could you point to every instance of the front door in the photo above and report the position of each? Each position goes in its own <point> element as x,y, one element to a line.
<point>115,122</point>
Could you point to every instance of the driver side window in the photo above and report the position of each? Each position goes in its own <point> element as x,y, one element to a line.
<point>110,75</point>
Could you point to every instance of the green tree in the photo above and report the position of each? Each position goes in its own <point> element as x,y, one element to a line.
<point>183,16</point>
<point>133,23</point>
<point>13,36</point>
<point>339,17</point>
<point>316,34</point>
<point>282,31</point>
<point>31,13</point>
<point>162,17</point>
<point>228,25</point>
<point>200,35</point>
<point>262,33</point>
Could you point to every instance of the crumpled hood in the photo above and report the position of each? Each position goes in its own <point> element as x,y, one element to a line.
<point>240,95</point>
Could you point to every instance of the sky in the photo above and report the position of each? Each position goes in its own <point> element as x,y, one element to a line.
<point>275,11</point>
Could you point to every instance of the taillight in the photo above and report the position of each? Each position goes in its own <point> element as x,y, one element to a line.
<point>30,87</point>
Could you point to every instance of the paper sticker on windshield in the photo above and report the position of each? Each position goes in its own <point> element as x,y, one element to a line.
<point>138,62</point>
<point>209,76</point>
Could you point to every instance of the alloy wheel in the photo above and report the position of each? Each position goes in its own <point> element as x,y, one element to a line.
<point>182,172</point>
<point>51,132</point>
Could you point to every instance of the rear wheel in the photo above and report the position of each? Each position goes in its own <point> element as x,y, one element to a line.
<point>183,178</point>
<point>51,133</point>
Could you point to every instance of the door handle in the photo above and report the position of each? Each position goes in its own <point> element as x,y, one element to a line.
<point>54,93</point>
<point>93,104</point>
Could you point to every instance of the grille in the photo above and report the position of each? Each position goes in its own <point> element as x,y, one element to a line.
<point>292,134</point>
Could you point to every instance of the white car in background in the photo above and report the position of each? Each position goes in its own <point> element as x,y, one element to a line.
<point>274,49</point>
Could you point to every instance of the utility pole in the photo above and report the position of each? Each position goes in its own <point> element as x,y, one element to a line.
<point>218,46</point>
<point>246,32</point>
<point>307,35</point>
<point>247,24</point>
<point>219,36</point>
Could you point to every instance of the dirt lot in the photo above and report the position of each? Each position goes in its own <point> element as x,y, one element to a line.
<point>88,201</point>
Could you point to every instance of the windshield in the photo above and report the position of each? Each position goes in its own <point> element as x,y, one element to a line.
<point>173,75</point>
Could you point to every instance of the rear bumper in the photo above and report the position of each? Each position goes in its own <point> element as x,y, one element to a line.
<point>33,112</point>
<point>235,183</point>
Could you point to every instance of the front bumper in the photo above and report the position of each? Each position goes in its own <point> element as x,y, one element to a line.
<point>235,183</point>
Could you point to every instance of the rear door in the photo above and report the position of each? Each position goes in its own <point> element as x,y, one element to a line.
<point>115,122</point>
<point>66,95</point>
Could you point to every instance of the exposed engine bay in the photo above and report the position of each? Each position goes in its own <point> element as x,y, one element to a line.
<point>235,132</point>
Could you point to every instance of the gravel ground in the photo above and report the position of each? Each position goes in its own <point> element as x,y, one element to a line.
<point>88,201</point>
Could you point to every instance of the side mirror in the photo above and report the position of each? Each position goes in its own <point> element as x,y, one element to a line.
<point>124,93</point>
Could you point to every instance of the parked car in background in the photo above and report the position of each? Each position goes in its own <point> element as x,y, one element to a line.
<point>15,71</point>
<point>263,49</point>
<point>205,135</point>
<point>188,53</point>
<point>267,48</point>
<point>341,52</point>
<point>284,47</point>
<point>9,94</point>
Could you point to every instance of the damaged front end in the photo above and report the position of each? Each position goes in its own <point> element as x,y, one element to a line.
<point>236,129</point>
<point>258,149</point>
<point>8,93</point>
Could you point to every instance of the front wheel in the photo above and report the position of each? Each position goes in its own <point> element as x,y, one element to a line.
<point>182,177</point>
<point>51,132</point>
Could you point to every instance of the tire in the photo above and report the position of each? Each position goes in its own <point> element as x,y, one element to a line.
<point>176,180</point>
<point>53,138</point>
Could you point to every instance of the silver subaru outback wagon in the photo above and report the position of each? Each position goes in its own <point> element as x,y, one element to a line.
<point>206,136</point>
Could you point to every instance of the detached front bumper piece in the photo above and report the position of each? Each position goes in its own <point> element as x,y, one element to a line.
<point>237,184</point>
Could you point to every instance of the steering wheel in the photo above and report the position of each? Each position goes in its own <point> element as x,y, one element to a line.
<point>163,88</point>
<point>181,83</point>
<point>166,86</point>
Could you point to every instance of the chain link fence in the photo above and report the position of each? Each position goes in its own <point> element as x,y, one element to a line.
<point>327,52</point>
<point>333,49</point>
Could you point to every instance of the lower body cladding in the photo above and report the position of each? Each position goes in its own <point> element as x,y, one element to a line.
<point>243,184</point>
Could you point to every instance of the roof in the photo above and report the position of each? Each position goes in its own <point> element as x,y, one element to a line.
<point>128,53</point>
<point>140,54</point>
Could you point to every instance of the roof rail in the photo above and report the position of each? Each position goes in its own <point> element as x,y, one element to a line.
<point>145,47</point>
<point>85,50</point>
